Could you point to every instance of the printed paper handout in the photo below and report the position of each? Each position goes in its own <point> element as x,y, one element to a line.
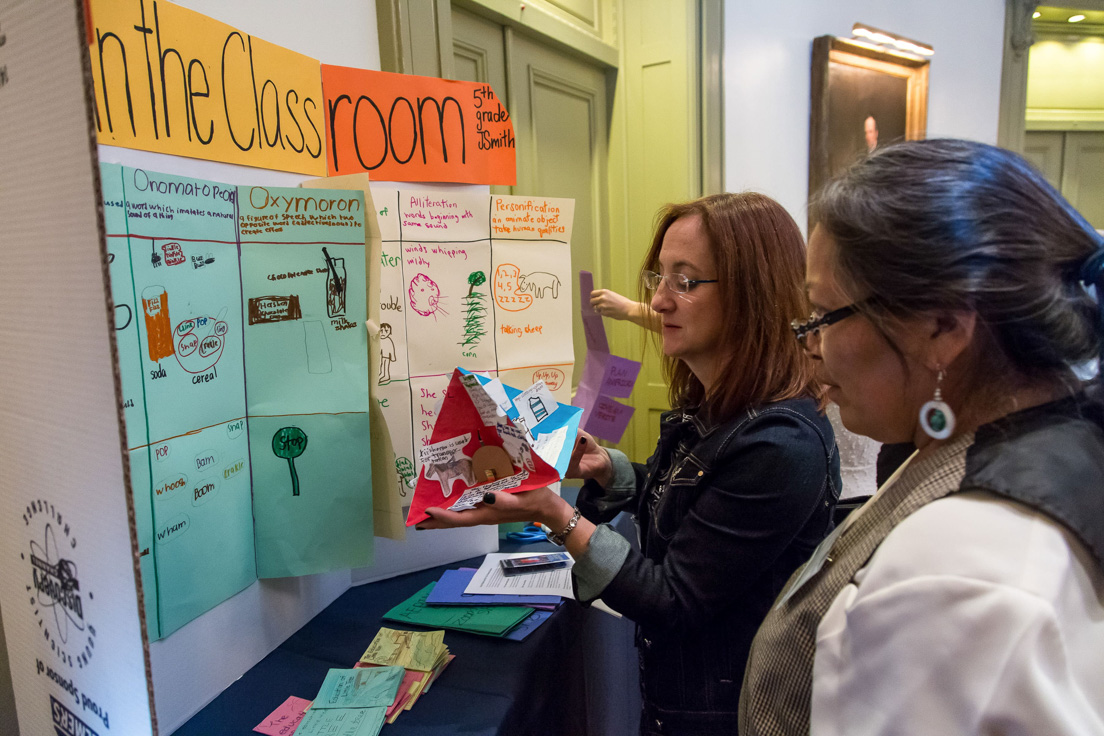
<point>481,443</point>
<point>604,375</point>
<point>239,318</point>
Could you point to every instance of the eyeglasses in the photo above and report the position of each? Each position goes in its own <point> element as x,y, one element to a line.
<point>676,282</point>
<point>813,325</point>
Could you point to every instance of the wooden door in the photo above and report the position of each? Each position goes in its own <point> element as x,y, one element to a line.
<point>1073,161</point>
<point>1044,150</point>
<point>558,106</point>
<point>659,114</point>
<point>1083,174</point>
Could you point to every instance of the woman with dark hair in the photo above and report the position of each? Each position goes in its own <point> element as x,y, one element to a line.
<point>954,292</point>
<point>743,483</point>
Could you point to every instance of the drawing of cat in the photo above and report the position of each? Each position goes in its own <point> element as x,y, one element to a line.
<point>447,473</point>
<point>424,295</point>
<point>539,282</point>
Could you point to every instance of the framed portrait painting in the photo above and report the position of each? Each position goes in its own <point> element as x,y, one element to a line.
<point>862,98</point>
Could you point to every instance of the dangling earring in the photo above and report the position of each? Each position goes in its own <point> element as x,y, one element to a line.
<point>936,417</point>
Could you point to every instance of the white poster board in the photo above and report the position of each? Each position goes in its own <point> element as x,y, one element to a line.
<point>70,591</point>
<point>67,582</point>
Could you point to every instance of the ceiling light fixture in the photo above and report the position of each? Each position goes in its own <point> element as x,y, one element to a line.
<point>887,39</point>
<point>1075,18</point>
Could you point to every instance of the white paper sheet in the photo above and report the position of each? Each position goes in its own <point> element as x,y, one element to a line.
<point>489,579</point>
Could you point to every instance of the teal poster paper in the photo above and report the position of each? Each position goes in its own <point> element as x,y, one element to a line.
<point>204,319</point>
<point>328,525</point>
<point>306,346</point>
<point>172,246</point>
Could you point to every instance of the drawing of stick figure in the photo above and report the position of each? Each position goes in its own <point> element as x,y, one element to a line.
<point>387,353</point>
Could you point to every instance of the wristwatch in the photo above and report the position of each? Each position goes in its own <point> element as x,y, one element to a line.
<point>562,536</point>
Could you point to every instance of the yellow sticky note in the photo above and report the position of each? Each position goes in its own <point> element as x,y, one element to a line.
<point>171,80</point>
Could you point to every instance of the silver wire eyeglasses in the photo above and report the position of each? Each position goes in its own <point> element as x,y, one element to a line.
<point>676,282</point>
<point>812,326</point>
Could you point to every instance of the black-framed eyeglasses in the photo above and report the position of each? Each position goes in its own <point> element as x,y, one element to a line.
<point>813,325</point>
<point>676,282</point>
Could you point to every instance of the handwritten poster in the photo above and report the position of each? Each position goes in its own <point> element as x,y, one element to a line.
<point>306,369</point>
<point>483,283</point>
<point>532,282</point>
<point>171,80</point>
<point>201,279</point>
<point>402,127</point>
<point>393,478</point>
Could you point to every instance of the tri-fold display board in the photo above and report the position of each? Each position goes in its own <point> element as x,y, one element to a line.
<point>250,398</point>
<point>243,355</point>
<point>243,359</point>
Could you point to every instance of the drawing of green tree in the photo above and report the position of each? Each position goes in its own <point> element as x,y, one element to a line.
<point>475,312</point>
<point>476,278</point>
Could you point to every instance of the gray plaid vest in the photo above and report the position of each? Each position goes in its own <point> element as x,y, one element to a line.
<point>777,691</point>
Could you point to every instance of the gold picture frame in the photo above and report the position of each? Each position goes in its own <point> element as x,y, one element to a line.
<point>856,87</point>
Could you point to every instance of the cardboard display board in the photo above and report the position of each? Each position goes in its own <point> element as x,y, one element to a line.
<point>214,287</point>
<point>68,584</point>
<point>80,624</point>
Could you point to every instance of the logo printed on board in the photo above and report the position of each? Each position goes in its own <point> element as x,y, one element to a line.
<point>54,591</point>
<point>66,722</point>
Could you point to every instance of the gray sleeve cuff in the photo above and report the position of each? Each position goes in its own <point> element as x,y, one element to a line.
<point>605,554</point>
<point>623,482</point>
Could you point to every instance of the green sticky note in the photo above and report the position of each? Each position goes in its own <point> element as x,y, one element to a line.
<point>342,721</point>
<point>490,620</point>
<point>364,687</point>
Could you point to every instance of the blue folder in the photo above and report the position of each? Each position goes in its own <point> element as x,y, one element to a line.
<point>449,591</point>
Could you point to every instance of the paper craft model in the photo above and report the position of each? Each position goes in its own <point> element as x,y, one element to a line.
<point>491,437</point>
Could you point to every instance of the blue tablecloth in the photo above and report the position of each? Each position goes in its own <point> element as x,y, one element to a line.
<point>576,674</point>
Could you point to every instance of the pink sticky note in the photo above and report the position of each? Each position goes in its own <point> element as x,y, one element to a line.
<point>620,377</point>
<point>608,418</point>
<point>284,720</point>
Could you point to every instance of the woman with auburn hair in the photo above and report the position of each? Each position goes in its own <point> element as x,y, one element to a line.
<point>742,485</point>
<point>955,296</point>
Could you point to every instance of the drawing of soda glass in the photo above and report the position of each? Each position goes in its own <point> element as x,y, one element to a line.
<point>335,285</point>
<point>540,411</point>
<point>155,305</point>
<point>289,443</point>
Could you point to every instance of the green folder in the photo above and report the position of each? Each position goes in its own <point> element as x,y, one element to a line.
<point>488,620</point>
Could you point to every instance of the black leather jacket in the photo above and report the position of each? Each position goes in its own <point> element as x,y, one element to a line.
<point>725,513</point>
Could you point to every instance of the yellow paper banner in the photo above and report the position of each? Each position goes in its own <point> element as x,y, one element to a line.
<point>171,80</point>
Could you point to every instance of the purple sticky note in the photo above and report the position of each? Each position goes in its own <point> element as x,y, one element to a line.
<point>595,333</point>
<point>620,376</point>
<point>607,419</point>
<point>586,285</point>
<point>593,328</point>
<point>284,720</point>
<point>594,372</point>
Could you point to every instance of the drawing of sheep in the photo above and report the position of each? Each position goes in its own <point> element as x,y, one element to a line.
<point>539,282</point>
<point>448,472</point>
